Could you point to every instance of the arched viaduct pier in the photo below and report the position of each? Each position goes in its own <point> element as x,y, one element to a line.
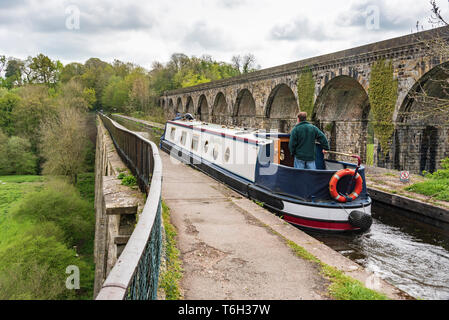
<point>268,99</point>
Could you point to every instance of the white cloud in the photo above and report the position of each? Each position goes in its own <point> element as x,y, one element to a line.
<point>276,32</point>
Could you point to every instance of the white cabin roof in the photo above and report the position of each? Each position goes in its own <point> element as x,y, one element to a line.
<point>239,132</point>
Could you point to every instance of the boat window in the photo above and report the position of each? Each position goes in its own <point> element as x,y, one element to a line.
<point>227,154</point>
<point>206,146</point>
<point>172,133</point>
<point>183,138</point>
<point>195,139</point>
<point>268,150</point>
<point>215,153</point>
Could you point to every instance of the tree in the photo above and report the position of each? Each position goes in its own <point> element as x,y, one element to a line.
<point>96,76</point>
<point>3,62</point>
<point>72,70</point>
<point>13,72</point>
<point>64,143</point>
<point>432,95</point>
<point>8,103</point>
<point>20,157</point>
<point>74,95</point>
<point>34,105</point>
<point>246,64</point>
<point>45,70</point>
<point>16,156</point>
<point>122,69</point>
<point>139,95</point>
<point>116,94</point>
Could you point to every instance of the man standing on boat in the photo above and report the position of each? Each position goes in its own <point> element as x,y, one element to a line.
<point>302,143</point>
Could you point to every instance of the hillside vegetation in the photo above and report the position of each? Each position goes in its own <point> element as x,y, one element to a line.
<point>47,157</point>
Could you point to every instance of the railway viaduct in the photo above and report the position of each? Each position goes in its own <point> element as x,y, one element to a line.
<point>268,99</point>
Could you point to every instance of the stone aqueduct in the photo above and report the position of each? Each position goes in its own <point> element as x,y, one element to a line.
<point>268,99</point>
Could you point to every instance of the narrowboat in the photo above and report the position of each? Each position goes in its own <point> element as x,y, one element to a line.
<point>258,165</point>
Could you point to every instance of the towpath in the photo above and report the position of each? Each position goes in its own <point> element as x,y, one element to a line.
<point>226,253</point>
<point>232,249</point>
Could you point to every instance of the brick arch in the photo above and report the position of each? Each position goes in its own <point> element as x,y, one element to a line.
<point>202,111</point>
<point>220,109</point>
<point>179,107</point>
<point>190,105</point>
<point>341,110</point>
<point>244,112</point>
<point>281,108</point>
<point>170,105</point>
<point>420,140</point>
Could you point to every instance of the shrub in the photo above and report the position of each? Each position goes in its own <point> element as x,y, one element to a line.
<point>121,176</point>
<point>16,156</point>
<point>34,267</point>
<point>129,181</point>
<point>61,204</point>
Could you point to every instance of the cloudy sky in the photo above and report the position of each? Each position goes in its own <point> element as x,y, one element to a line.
<point>276,32</point>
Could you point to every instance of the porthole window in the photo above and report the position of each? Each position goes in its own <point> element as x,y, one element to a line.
<point>206,146</point>
<point>183,138</point>
<point>172,133</point>
<point>215,153</point>
<point>227,155</point>
<point>194,145</point>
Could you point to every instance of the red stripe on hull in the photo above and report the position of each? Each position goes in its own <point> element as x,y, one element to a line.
<point>321,225</point>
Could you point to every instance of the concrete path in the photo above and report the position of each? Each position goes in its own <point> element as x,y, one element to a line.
<point>226,252</point>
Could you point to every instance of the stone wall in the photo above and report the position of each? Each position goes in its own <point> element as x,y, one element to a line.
<point>342,80</point>
<point>116,207</point>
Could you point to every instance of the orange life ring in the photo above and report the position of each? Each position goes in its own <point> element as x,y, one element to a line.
<point>334,181</point>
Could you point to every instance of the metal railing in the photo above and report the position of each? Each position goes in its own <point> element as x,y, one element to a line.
<point>136,272</point>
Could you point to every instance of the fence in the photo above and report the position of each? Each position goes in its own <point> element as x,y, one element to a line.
<point>136,272</point>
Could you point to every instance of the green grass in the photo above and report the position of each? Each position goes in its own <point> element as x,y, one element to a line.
<point>21,179</point>
<point>370,154</point>
<point>436,184</point>
<point>86,186</point>
<point>40,222</point>
<point>153,115</point>
<point>13,188</point>
<point>438,189</point>
<point>169,280</point>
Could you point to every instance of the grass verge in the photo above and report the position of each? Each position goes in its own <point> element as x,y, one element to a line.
<point>342,286</point>
<point>435,188</point>
<point>172,275</point>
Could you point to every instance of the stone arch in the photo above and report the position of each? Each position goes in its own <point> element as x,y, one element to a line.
<point>220,111</point>
<point>190,107</point>
<point>341,111</point>
<point>245,109</point>
<point>282,109</point>
<point>202,112</point>
<point>179,107</point>
<point>421,138</point>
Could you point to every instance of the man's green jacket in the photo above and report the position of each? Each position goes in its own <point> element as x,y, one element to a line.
<point>302,141</point>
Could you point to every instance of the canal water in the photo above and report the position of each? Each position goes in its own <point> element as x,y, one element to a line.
<point>412,256</point>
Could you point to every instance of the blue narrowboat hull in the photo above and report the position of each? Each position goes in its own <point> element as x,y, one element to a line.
<point>305,212</point>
